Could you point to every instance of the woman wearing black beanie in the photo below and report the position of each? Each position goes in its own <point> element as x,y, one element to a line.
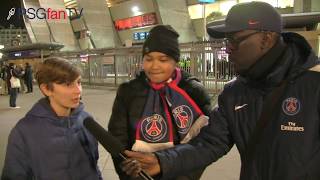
<point>163,106</point>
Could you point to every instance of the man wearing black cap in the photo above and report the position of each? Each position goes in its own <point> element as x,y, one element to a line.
<point>270,111</point>
<point>163,106</point>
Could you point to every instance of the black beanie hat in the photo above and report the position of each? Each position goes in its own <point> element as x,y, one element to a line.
<point>164,39</point>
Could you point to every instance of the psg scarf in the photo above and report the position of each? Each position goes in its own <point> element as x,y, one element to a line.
<point>168,108</point>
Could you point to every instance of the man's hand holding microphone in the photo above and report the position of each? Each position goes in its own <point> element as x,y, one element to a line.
<point>134,164</point>
<point>137,161</point>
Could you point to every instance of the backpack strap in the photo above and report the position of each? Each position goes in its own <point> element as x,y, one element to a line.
<point>271,102</point>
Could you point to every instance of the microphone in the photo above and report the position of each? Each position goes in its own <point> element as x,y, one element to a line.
<point>109,142</point>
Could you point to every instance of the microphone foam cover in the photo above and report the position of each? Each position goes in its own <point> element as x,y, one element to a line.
<point>107,140</point>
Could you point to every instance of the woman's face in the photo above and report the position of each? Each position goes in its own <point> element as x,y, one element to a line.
<point>158,67</point>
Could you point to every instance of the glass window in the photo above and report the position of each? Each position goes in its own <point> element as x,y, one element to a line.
<point>275,3</point>
<point>196,11</point>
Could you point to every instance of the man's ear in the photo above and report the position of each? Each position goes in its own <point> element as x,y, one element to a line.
<point>45,90</point>
<point>267,41</point>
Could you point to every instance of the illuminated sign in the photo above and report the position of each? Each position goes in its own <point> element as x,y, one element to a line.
<point>136,21</point>
<point>140,35</point>
<point>206,1</point>
<point>17,54</point>
<point>24,54</point>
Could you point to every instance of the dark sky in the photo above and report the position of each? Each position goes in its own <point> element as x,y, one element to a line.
<point>5,6</point>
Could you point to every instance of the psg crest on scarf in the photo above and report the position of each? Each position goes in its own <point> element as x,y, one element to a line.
<point>183,117</point>
<point>154,127</point>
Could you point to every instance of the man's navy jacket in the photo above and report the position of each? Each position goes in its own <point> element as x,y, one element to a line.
<point>289,147</point>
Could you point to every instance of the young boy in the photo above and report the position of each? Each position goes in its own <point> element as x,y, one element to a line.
<point>50,142</point>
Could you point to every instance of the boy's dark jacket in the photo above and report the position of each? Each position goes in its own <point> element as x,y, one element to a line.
<point>43,146</point>
<point>289,148</point>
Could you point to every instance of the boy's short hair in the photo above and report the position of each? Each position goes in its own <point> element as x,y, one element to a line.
<point>56,70</point>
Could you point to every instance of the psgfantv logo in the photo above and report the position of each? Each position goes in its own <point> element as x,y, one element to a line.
<point>44,13</point>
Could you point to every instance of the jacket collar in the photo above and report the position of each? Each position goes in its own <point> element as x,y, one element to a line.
<point>296,58</point>
<point>43,110</point>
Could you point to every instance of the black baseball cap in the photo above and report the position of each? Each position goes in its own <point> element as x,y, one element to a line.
<point>244,16</point>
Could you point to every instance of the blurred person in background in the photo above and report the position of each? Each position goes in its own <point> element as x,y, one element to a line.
<point>28,77</point>
<point>3,79</point>
<point>13,91</point>
<point>21,72</point>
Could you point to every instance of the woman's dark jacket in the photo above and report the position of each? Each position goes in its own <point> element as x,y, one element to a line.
<point>129,105</point>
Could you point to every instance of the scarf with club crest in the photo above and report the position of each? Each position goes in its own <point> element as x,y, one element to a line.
<point>168,108</point>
